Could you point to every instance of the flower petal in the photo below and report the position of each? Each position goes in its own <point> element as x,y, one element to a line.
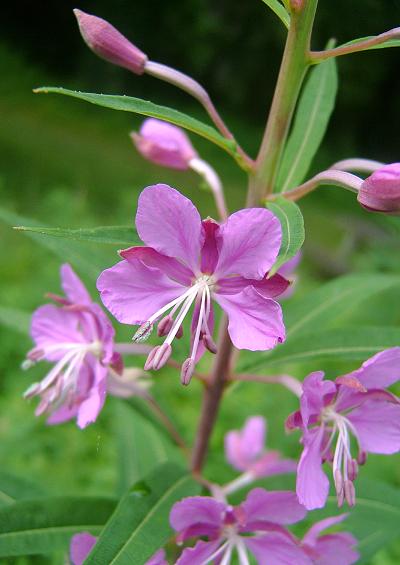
<point>90,408</point>
<point>311,536</point>
<point>278,507</point>
<point>267,287</point>
<point>242,447</point>
<point>381,370</point>
<point>52,326</point>
<point>168,265</point>
<point>198,554</point>
<point>133,292</point>
<point>335,549</point>
<point>276,549</point>
<point>202,514</point>
<point>314,391</point>
<point>169,222</point>
<point>249,243</point>
<point>157,559</point>
<point>255,322</point>
<point>378,426</point>
<point>73,287</point>
<point>81,546</point>
<point>312,484</point>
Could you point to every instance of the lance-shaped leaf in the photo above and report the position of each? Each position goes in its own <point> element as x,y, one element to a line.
<point>46,525</point>
<point>279,10</point>
<point>140,523</point>
<point>147,108</point>
<point>14,488</point>
<point>311,120</point>
<point>292,224</point>
<point>344,344</point>
<point>107,235</point>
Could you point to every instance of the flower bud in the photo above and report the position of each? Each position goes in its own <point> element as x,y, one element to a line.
<point>164,144</point>
<point>109,44</point>
<point>380,192</point>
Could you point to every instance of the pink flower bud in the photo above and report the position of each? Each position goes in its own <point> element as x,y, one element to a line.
<point>109,44</point>
<point>380,192</point>
<point>164,144</point>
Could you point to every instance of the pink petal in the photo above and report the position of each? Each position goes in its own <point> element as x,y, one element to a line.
<point>90,408</point>
<point>312,484</point>
<point>255,322</point>
<point>52,325</point>
<point>381,370</point>
<point>311,537</point>
<point>278,507</point>
<point>164,144</point>
<point>249,243</point>
<point>336,549</point>
<point>242,447</point>
<point>133,292</point>
<point>81,546</point>
<point>73,287</point>
<point>62,414</point>
<point>269,288</point>
<point>377,424</point>
<point>201,512</point>
<point>209,252</point>
<point>276,549</point>
<point>151,258</point>
<point>315,389</point>
<point>198,554</point>
<point>169,222</point>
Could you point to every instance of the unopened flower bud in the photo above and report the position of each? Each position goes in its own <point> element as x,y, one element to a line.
<point>109,44</point>
<point>380,192</point>
<point>164,144</point>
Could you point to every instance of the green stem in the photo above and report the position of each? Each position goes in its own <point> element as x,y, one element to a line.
<point>295,62</point>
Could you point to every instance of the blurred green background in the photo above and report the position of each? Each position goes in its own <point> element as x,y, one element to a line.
<point>64,163</point>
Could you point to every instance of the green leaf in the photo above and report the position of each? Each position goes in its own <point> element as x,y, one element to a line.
<point>87,259</point>
<point>328,304</point>
<point>14,488</point>
<point>141,447</point>
<point>354,344</point>
<point>42,526</point>
<point>140,523</point>
<point>147,108</point>
<point>109,235</point>
<point>312,117</point>
<point>292,223</point>
<point>279,10</point>
<point>15,319</point>
<point>389,43</point>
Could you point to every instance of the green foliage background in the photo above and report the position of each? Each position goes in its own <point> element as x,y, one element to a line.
<point>67,164</point>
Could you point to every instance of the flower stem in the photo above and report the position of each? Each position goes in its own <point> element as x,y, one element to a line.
<point>328,177</point>
<point>287,381</point>
<point>212,397</point>
<point>295,62</point>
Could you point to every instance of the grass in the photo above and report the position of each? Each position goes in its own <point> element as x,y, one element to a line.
<point>63,163</point>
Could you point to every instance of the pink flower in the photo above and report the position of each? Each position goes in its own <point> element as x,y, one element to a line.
<point>109,44</point>
<point>256,526</point>
<point>380,192</point>
<point>288,270</point>
<point>164,144</point>
<point>78,338</point>
<point>330,549</point>
<point>355,405</point>
<point>83,543</point>
<point>245,451</point>
<point>192,262</point>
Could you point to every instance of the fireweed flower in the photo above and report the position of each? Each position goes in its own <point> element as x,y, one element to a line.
<point>336,548</point>
<point>192,262</point>
<point>83,543</point>
<point>78,338</point>
<point>288,270</point>
<point>330,413</point>
<point>164,144</point>
<point>109,44</point>
<point>380,192</point>
<point>256,526</point>
<point>245,451</point>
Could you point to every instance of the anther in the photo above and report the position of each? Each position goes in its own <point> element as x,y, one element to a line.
<point>187,371</point>
<point>150,358</point>
<point>352,469</point>
<point>362,457</point>
<point>143,332</point>
<point>350,493</point>
<point>164,326</point>
<point>209,343</point>
<point>162,355</point>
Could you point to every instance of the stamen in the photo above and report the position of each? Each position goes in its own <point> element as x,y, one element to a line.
<point>352,469</point>
<point>143,332</point>
<point>187,371</point>
<point>362,457</point>
<point>150,358</point>
<point>200,321</point>
<point>165,325</point>
<point>242,552</point>
<point>209,343</point>
<point>162,355</point>
<point>350,493</point>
